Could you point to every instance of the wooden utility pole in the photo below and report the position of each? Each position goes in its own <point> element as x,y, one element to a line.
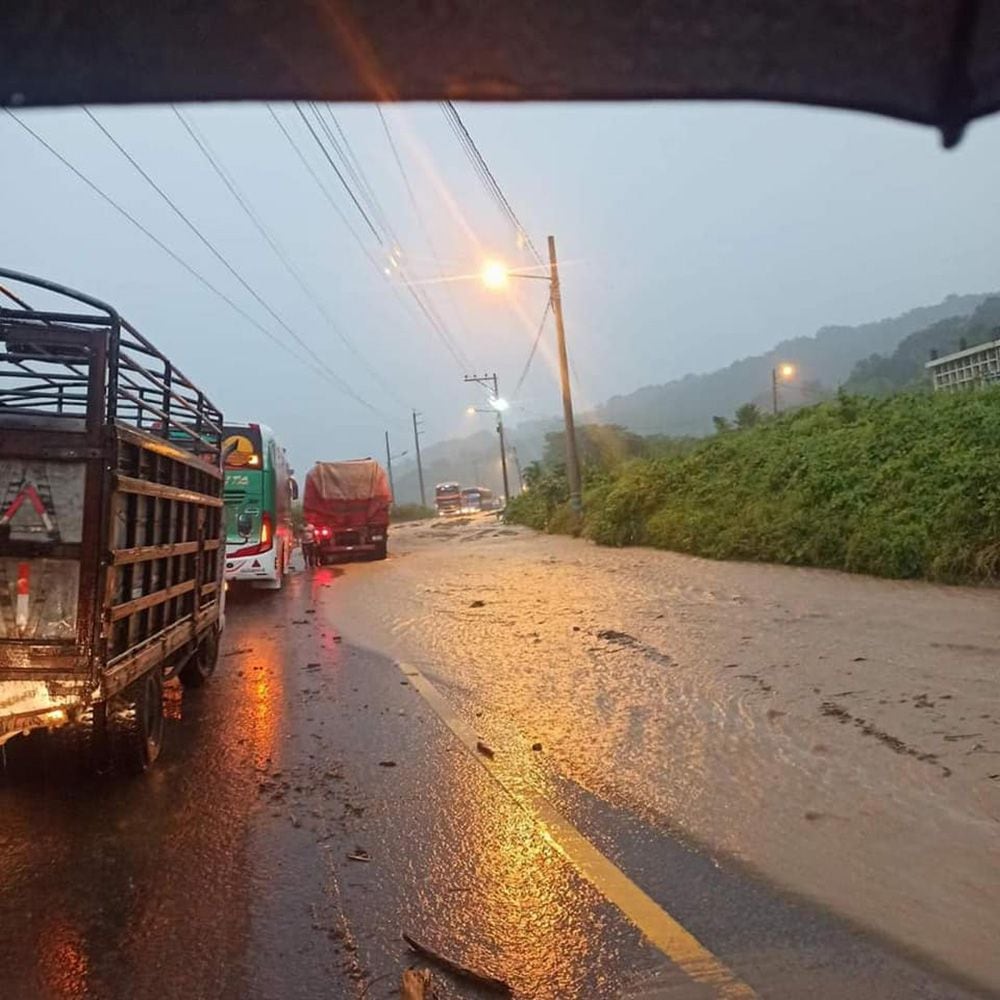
<point>420,465</point>
<point>572,459</point>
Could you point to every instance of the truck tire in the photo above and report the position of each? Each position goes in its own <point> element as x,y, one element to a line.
<point>382,549</point>
<point>135,724</point>
<point>203,661</point>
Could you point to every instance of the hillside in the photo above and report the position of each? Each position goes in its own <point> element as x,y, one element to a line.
<point>900,487</point>
<point>903,369</point>
<point>686,406</point>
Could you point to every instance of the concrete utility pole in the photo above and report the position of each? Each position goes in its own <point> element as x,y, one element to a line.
<point>486,381</point>
<point>774,391</point>
<point>388,462</point>
<point>572,459</point>
<point>420,465</point>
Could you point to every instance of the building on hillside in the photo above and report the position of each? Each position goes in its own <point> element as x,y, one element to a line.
<point>968,369</point>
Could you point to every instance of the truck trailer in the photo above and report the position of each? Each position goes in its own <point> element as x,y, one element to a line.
<point>347,503</point>
<point>111,525</point>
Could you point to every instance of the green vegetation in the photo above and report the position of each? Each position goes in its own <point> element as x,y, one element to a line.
<point>905,487</point>
<point>409,512</point>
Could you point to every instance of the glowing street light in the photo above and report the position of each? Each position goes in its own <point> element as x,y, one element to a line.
<point>499,404</point>
<point>786,372</point>
<point>495,275</point>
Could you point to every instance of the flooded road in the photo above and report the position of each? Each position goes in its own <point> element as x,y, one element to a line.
<point>325,793</point>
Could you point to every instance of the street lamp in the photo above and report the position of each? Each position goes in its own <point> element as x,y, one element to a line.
<point>784,371</point>
<point>495,276</point>
<point>497,405</point>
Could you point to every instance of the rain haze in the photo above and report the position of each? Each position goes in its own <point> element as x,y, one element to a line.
<point>689,236</point>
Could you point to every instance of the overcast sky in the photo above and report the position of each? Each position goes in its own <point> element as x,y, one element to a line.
<point>690,235</point>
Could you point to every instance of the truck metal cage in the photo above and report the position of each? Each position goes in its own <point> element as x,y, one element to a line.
<point>53,365</point>
<point>110,503</point>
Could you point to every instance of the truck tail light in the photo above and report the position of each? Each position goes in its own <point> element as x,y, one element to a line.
<point>23,593</point>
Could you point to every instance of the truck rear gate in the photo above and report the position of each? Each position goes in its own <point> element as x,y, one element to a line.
<point>110,520</point>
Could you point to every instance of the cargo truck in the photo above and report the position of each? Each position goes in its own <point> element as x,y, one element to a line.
<point>111,525</point>
<point>347,503</point>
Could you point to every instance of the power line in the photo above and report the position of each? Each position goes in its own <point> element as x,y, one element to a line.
<point>425,306</point>
<point>534,348</point>
<point>482,168</point>
<point>155,239</point>
<point>416,210</point>
<point>227,179</point>
<point>333,204</point>
<point>353,164</point>
<point>340,176</point>
<point>327,371</point>
<point>323,188</point>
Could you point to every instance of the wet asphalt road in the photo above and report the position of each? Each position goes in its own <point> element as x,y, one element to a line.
<point>226,872</point>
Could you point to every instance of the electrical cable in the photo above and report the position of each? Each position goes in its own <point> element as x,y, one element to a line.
<point>479,161</point>
<point>425,306</point>
<point>155,239</point>
<point>340,176</point>
<point>231,185</point>
<point>534,348</point>
<point>421,222</point>
<point>329,373</point>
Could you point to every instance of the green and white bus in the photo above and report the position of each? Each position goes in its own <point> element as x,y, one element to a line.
<point>259,491</point>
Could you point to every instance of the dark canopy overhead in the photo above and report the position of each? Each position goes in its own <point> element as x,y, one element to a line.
<point>930,61</point>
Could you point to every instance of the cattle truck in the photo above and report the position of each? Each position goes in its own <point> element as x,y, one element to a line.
<point>111,525</point>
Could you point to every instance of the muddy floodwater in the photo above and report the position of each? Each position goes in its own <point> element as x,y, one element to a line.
<point>596,774</point>
<point>838,734</point>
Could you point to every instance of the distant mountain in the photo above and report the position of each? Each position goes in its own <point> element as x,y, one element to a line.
<point>686,406</point>
<point>903,369</point>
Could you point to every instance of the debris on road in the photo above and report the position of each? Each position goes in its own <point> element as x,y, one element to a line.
<point>536,747</point>
<point>477,604</point>
<point>416,985</point>
<point>386,763</point>
<point>358,855</point>
<point>485,749</point>
<point>237,652</point>
<point>463,972</point>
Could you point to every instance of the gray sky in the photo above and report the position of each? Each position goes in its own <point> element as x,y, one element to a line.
<point>690,235</point>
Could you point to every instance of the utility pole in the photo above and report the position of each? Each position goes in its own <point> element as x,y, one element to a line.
<point>485,381</point>
<point>420,466</point>
<point>774,391</point>
<point>572,459</point>
<point>517,467</point>
<point>388,462</point>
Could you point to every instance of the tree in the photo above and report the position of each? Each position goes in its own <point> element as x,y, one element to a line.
<point>721,425</point>
<point>747,416</point>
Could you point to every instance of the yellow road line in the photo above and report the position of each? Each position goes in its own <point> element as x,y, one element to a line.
<point>658,926</point>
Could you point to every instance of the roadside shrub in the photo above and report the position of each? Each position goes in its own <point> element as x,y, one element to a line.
<point>905,487</point>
